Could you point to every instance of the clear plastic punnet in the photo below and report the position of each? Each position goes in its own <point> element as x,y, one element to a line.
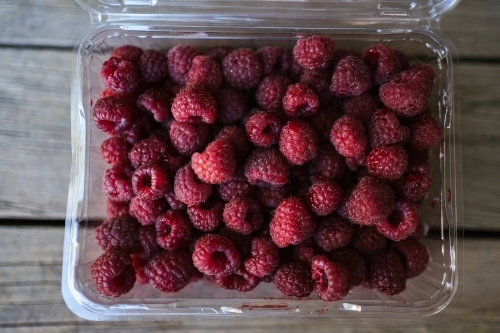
<point>410,26</point>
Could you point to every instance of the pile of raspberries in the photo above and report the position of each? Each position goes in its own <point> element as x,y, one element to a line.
<point>302,168</point>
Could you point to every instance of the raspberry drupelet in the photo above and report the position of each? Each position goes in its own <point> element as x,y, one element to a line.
<point>382,61</point>
<point>264,258</point>
<point>324,197</point>
<point>314,52</point>
<point>402,222</point>
<point>243,215</point>
<point>173,230</point>
<point>112,273</point>
<point>386,130</point>
<point>266,167</point>
<point>298,142</point>
<point>206,216</point>
<point>235,187</point>
<point>117,182</point>
<point>156,102</point>
<point>188,188</point>
<point>425,132</point>
<point>416,181</point>
<point>153,66</point>
<point>370,202</point>
<point>150,182</point>
<point>119,76</point>
<point>294,279</point>
<point>333,233</point>
<point>194,104</point>
<point>115,150</point>
<point>216,255</point>
<point>327,165</point>
<point>362,107</point>
<point>331,279</point>
<point>275,60</point>
<point>205,70</point>
<point>387,272</point>
<point>180,58</point>
<point>216,164</point>
<point>118,232</point>
<point>147,151</point>
<point>271,91</point>
<point>241,280</point>
<point>300,101</point>
<point>129,52</point>
<point>169,271</point>
<point>319,81</point>
<point>111,115</point>
<point>263,129</point>
<point>387,163</point>
<point>242,69</point>
<point>367,240</point>
<point>116,208</point>
<point>348,136</point>
<point>237,138</point>
<point>351,77</point>
<point>146,211</point>
<point>189,138</point>
<point>231,104</point>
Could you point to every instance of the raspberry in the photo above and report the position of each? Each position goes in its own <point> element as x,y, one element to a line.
<point>386,130</point>
<point>173,201</point>
<point>367,240</point>
<point>217,163</point>
<point>135,132</point>
<point>371,201</point>
<point>173,230</point>
<point>340,54</point>
<point>292,223</point>
<point>242,69</point>
<point>300,101</point>
<point>150,182</point>
<point>194,104</point>
<point>243,215</point>
<point>264,258</point>
<point>425,132</point>
<point>416,182</point>
<point>216,255</point>
<point>361,107</point>
<point>266,167</point>
<point>206,216</point>
<point>387,163</point>
<point>353,262</point>
<point>237,137</point>
<point>205,70</point>
<point>275,60</point>
<point>382,61</point>
<point>129,53</point>
<point>331,279</point>
<point>415,256</point>
<point>235,187</point>
<point>147,151</point>
<point>271,91</point>
<point>242,242</point>
<point>348,136</point>
<point>324,197</point>
<point>116,208</point>
<point>294,279</point>
<point>116,182</point>
<point>407,93</point>
<point>428,71</point>
<point>111,115</point>
<point>402,221</point>
<point>112,273</point>
<point>188,188</point>
<point>304,251</point>
<point>119,76</point>
<point>169,271</point>
<point>118,232</point>
<point>173,162</point>
<point>115,150</point>
<point>156,102</point>
<point>333,233</point>
<point>188,138</point>
<point>138,264</point>
<point>387,272</point>
<point>231,105</point>
<point>218,53</point>
<point>147,239</point>
<point>351,77</point>
<point>240,280</point>
<point>146,211</point>
<point>319,81</point>
<point>314,52</point>
<point>153,66</point>
<point>180,60</point>
<point>263,129</point>
<point>421,232</point>
<point>327,165</point>
<point>298,142</point>
<point>271,197</point>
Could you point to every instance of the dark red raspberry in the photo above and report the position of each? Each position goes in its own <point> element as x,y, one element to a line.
<point>356,163</point>
<point>324,197</point>
<point>146,211</point>
<point>382,61</point>
<point>416,182</point>
<point>421,232</point>
<point>266,167</point>
<point>351,77</point>
<point>319,81</point>
<point>415,256</point>
<point>263,129</point>
<point>271,197</point>
<point>386,130</point>
<point>118,232</point>
<point>402,221</point>
<point>119,76</point>
<point>314,52</point>
<point>361,107</point>
<point>243,215</point>
<point>129,52</point>
<point>116,208</point>
<point>153,66</point>
<point>217,163</point>
<point>117,183</point>
<point>331,279</point>
<point>422,67</point>
<point>188,138</point>
<point>370,202</point>
<point>292,223</point>
<point>150,182</point>
<point>155,101</point>
<point>340,54</point>
<point>231,104</point>
<point>219,52</point>
<point>425,132</point>
<point>206,216</point>
<point>173,162</point>
<point>264,258</point>
<point>173,230</point>
<point>387,272</point>
<point>205,70</point>
<point>180,59</point>
<point>304,251</point>
<point>169,271</point>
<point>174,202</point>
<point>294,279</point>
<point>240,280</point>
<point>115,150</point>
<point>194,104</point>
<point>327,165</point>
<point>407,93</point>
<point>242,69</point>
<point>367,240</point>
<point>333,233</point>
<point>275,60</point>
<point>147,151</point>
<point>112,273</point>
<point>235,187</point>
<point>242,242</point>
<point>136,131</point>
<point>238,139</point>
<point>216,255</point>
<point>271,91</point>
<point>138,264</point>
<point>111,115</point>
<point>353,261</point>
<point>348,136</point>
<point>387,163</point>
<point>188,188</point>
<point>298,142</point>
<point>300,101</point>
<point>147,239</point>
